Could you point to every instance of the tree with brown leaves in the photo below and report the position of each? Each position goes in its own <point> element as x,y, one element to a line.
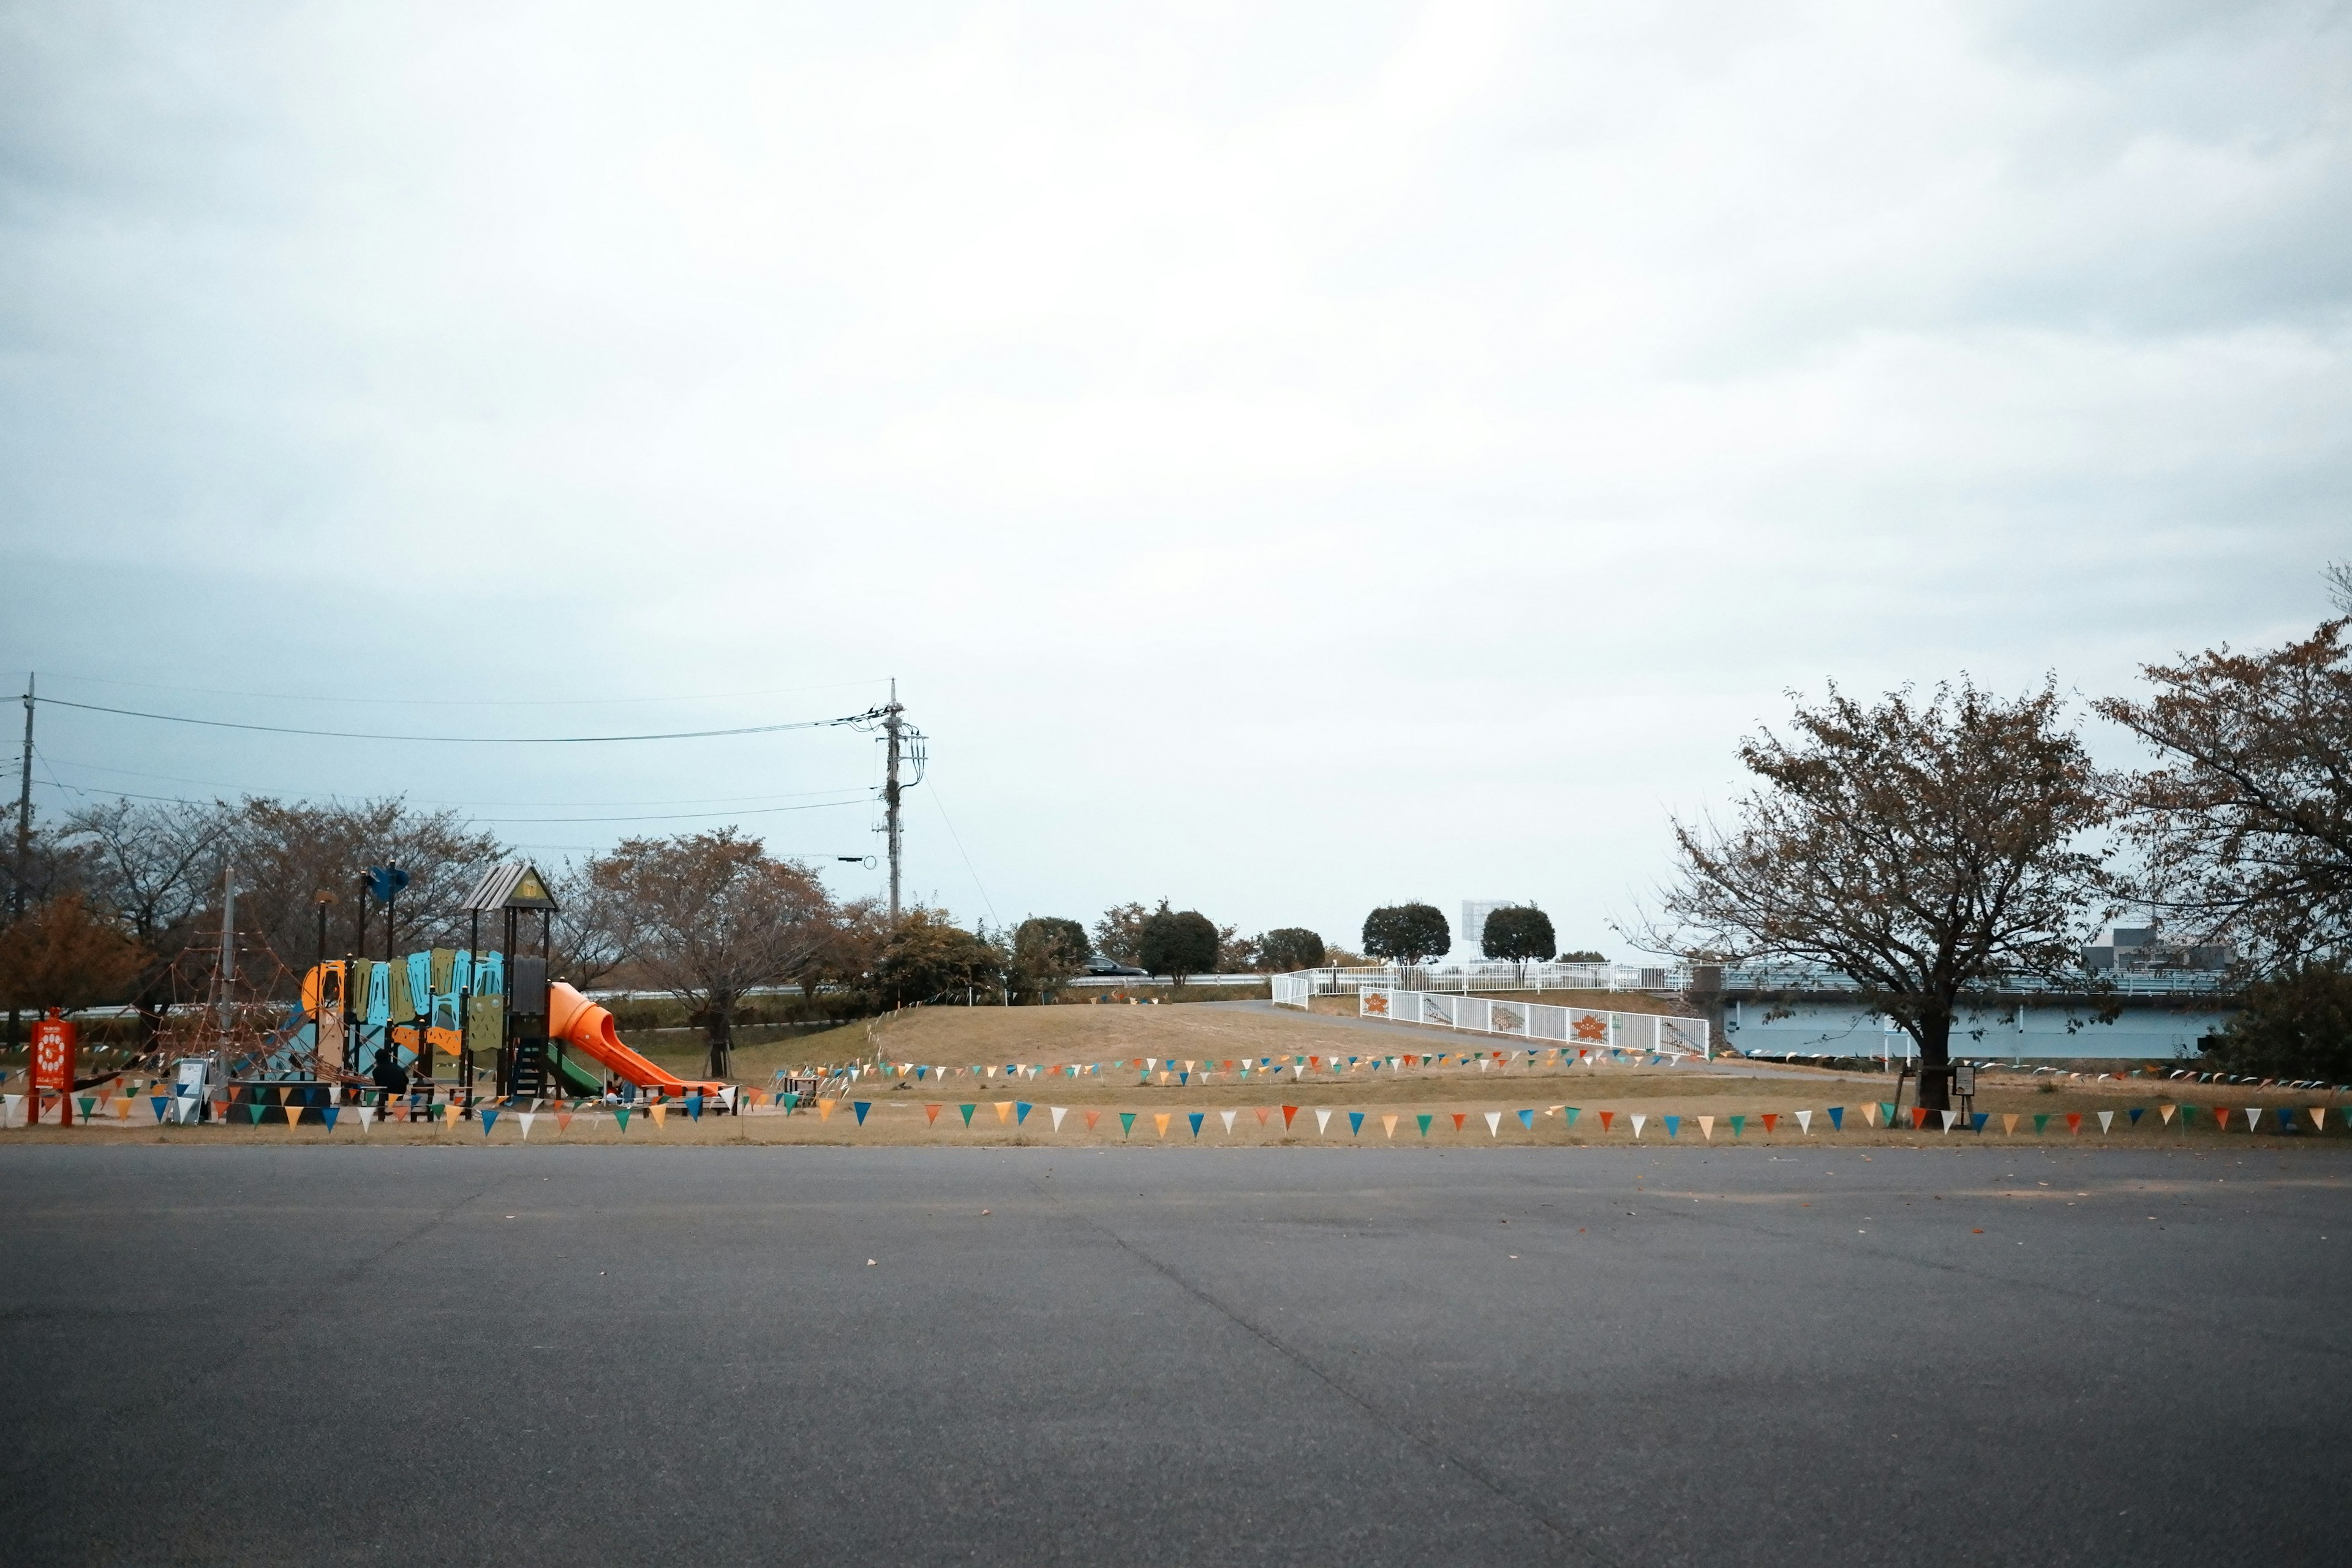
<point>1931,853</point>
<point>66,953</point>
<point>2246,827</point>
<point>712,916</point>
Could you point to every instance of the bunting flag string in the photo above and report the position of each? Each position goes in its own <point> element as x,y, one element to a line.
<point>1013,1114</point>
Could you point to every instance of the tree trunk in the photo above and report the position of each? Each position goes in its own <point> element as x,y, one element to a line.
<point>151,1022</point>
<point>1935,1039</point>
<point>718,1028</point>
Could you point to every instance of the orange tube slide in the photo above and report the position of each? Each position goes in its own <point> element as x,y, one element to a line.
<point>588,1028</point>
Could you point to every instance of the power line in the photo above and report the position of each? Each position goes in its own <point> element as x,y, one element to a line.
<point>466,702</point>
<point>942,805</point>
<point>461,740</point>
<point>863,795</point>
<point>677,815</point>
<point>709,799</point>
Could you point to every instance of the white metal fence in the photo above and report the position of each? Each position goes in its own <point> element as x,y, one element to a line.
<point>1588,1028</point>
<point>1292,990</point>
<point>1115,982</point>
<point>1481,976</point>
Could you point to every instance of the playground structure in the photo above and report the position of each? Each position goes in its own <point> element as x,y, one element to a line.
<point>249,1048</point>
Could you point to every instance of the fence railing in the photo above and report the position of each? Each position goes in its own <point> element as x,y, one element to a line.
<point>1292,990</point>
<point>1595,1028</point>
<point>1190,981</point>
<point>1481,976</point>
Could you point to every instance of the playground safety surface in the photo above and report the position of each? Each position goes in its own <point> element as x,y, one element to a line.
<point>1661,1354</point>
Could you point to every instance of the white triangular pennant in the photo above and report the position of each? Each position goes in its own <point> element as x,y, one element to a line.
<point>1059,1111</point>
<point>526,1117</point>
<point>2106,1121</point>
<point>367,1117</point>
<point>2253,1117</point>
<point>1228,1117</point>
<point>1805,1122</point>
<point>1637,1125</point>
<point>1949,1117</point>
<point>1494,1123</point>
<point>1322,1121</point>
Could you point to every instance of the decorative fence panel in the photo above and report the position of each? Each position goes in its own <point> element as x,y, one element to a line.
<point>1585,1027</point>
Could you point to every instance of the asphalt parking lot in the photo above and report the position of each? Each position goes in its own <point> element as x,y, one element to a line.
<point>1644,1355</point>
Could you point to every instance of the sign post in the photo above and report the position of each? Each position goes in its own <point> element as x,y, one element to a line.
<point>54,1040</point>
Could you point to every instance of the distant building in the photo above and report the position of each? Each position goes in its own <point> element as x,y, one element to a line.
<point>2143,950</point>
<point>1468,940</point>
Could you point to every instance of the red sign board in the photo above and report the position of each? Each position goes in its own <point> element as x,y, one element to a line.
<point>53,1060</point>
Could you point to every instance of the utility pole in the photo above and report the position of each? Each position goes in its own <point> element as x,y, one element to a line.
<point>891,724</point>
<point>228,942</point>
<point>25,834</point>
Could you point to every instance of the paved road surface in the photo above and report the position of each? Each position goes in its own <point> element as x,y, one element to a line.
<point>545,1354</point>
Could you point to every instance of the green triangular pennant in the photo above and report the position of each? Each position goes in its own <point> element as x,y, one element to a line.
<point>1126,1122</point>
<point>967,1110</point>
<point>1423,1120</point>
<point>621,1115</point>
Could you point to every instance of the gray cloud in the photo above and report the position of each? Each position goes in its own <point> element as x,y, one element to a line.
<point>1291,459</point>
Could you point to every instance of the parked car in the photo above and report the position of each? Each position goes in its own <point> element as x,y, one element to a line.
<point>1103,968</point>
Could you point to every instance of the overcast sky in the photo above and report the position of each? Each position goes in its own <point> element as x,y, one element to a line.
<point>1292,459</point>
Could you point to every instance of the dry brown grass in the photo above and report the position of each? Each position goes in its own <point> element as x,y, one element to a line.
<point>958,1038</point>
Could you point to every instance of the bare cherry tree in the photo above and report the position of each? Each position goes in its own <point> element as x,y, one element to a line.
<point>2246,825</point>
<point>712,916</point>
<point>1932,853</point>
<point>155,868</point>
